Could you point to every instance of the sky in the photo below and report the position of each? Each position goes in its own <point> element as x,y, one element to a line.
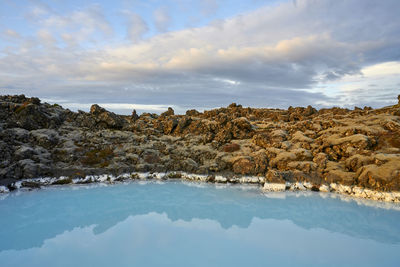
<point>201,54</point>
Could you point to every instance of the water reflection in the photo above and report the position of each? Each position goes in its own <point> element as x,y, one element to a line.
<point>155,240</point>
<point>29,219</point>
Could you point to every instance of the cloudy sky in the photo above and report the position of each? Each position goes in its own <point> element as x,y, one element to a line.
<point>201,54</point>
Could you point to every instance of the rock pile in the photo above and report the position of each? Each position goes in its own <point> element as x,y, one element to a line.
<point>357,148</point>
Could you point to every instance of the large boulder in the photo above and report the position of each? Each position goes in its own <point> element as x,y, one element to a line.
<point>239,128</point>
<point>192,112</point>
<point>270,139</point>
<point>134,116</point>
<point>169,112</point>
<point>106,118</point>
<point>244,165</point>
<point>385,176</point>
<point>170,125</point>
<point>29,113</point>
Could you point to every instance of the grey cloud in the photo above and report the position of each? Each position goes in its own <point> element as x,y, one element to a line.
<point>374,97</point>
<point>335,74</point>
<point>185,96</point>
<point>264,58</point>
<point>278,75</point>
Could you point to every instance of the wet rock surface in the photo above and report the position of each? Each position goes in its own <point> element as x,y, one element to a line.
<point>357,148</point>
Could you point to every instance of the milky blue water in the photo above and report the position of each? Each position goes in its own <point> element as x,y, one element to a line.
<point>178,224</point>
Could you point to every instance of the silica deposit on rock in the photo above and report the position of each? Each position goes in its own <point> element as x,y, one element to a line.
<point>355,152</point>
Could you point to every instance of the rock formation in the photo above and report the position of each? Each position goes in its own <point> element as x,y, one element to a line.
<point>359,147</point>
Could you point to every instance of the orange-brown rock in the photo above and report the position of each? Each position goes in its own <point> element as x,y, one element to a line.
<point>231,147</point>
<point>359,147</point>
<point>244,165</point>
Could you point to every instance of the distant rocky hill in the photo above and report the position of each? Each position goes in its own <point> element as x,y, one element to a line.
<point>359,147</point>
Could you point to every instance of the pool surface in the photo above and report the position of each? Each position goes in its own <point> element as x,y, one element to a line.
<point>189,224</point>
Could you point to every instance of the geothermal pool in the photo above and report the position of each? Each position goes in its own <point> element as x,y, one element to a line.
<point>190,224</point>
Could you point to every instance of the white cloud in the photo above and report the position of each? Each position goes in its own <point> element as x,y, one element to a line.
<point>9,33</point>
<point>74,28</point>
<point>375,85</point>
<point>382,69</point>
<point>386,75</point>
<point>38,11</point>
<point>227,81</point>
<point>136,27</point>
<point>162,19</point>
<point>46,38</point>
<point>10,36</point>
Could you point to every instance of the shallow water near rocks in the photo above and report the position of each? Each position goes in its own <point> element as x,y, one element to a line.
<point>190,224</point>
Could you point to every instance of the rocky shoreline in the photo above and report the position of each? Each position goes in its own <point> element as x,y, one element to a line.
<point>266,187</point>
<point>354,152</point>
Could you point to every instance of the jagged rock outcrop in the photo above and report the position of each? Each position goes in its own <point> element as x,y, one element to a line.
<point>106,119</point>
<point>29,114</point>
<point>359,148</point>
<point>167,113</point>
<point>134,116</point>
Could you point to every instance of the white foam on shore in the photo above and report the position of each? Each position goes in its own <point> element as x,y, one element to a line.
<point>274,187</point>
<point>4,189</point>
<point>353,192</point>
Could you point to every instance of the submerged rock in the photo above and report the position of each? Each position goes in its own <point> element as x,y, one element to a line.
<point>274,187</point>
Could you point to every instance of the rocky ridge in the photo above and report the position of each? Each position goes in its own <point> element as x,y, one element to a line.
<point>355,152</point>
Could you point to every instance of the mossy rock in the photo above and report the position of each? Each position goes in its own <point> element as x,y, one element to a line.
<point>174,175</point>
<point>21,107</point>
<point>98,157</point>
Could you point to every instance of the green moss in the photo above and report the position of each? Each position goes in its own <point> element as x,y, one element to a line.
<point>60,155</point>
<point>98,157</point>
<point>104,164</point>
